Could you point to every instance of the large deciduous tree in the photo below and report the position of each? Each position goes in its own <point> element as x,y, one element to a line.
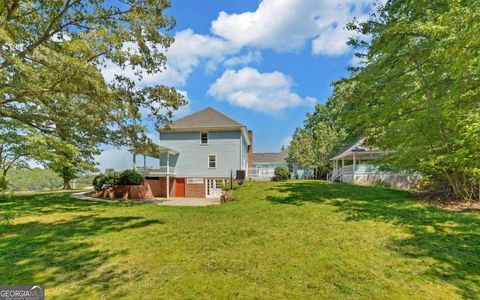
<point>51,57</point>
<point>16,149</point>
<point>418,92</point>
<point>51,47</point>
<point>77,138</point>
<point>313,145</point>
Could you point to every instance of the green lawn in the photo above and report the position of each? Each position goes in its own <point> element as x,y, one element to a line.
<point>301,239</point>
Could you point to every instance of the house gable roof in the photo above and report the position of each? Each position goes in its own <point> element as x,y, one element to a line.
<point>279,157</point>
<point>356,147</point>
<point>206,118</point>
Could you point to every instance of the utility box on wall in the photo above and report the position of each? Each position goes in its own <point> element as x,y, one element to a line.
<point>240,175</point>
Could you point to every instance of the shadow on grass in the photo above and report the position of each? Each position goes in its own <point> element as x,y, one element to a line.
<point>452,239</point>
<point>61,251</point>
<point>47,203</point>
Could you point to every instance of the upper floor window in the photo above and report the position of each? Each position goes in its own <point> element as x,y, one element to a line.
<point>203,138</point>
<point>212,161</point>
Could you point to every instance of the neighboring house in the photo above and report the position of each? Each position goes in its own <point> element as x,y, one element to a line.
<point>353,165</point>
<point>197,155</point>
<point>302,173</point>
<point>264,165</point>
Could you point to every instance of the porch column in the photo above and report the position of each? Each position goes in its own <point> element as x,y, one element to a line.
<point>354,167</point>
<point>334,169</point>
<point>168,174</point>
<point>205,186</point>
<point>343,165</point>
<point>144,166</point>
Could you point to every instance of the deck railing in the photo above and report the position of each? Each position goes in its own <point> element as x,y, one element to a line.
<point>151,171</point>
<point>261,172</point>
<point>349,170</point>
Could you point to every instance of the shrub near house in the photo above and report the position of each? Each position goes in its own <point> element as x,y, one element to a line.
<point>129,177</point>
<point>126,184</point>
<point>281,174</point>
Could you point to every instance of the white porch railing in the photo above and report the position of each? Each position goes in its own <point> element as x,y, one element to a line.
<point>151,171</point>
<point>349,170</point>
<point>261,172</point>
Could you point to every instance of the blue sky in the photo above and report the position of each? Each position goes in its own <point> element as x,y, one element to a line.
<point>265,63</point>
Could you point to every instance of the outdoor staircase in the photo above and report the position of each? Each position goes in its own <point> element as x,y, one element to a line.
<point>334,176</point>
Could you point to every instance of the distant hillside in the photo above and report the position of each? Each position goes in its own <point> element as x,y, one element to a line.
<point>40,180</point>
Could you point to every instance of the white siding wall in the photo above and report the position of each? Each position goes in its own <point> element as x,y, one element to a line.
<point>192,159</point>
<point>244,162</point>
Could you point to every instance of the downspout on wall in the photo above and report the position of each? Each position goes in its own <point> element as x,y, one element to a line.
<point>250,150</point>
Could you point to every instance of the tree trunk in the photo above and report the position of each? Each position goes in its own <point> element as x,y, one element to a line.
<point>66,184</point>
<point>66,178</point>
<point>3,183</point>
<point>458,184</point>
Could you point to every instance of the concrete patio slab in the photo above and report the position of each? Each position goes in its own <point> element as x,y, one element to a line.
<point>188,201</point>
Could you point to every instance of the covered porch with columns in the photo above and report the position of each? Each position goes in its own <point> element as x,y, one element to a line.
<point>347,166</point>
<point>354,165</point>
<point>354,161</point>
<point>165,168</point>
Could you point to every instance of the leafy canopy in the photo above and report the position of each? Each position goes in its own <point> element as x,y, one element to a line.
<point>58,47</point>
<point>313,145</point>
<point>418,91</point>
<point>51,57</point>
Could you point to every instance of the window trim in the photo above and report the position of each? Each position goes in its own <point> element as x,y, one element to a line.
<point>208,161</point>
<point>208,137</point>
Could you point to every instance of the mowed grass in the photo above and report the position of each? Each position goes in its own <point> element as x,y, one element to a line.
<point>297,240</point>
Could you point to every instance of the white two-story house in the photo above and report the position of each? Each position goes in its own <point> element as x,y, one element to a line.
<point>197,154</point>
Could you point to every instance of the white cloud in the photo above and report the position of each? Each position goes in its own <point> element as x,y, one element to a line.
<point>332,41</point>
<point>184,55</point>
<point>283,25</point>
<point>265,92</point>
<point>286,141</point>
<point>189,49</point>
<point>286,25</point>
<point>243,60</point>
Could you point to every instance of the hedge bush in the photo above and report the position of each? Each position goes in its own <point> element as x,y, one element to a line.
<point>127,177</point>
<point>99,182</point>
<point>281,174</point>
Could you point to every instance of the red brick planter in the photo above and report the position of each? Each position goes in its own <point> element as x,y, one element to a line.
<point>127,192</point>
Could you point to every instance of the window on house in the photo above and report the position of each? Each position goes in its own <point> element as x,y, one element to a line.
<point>204,138</point>
<point>212,161</point>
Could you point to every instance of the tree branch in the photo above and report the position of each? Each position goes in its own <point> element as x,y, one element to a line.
<point>11,10</point>
<point>48,33</point>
